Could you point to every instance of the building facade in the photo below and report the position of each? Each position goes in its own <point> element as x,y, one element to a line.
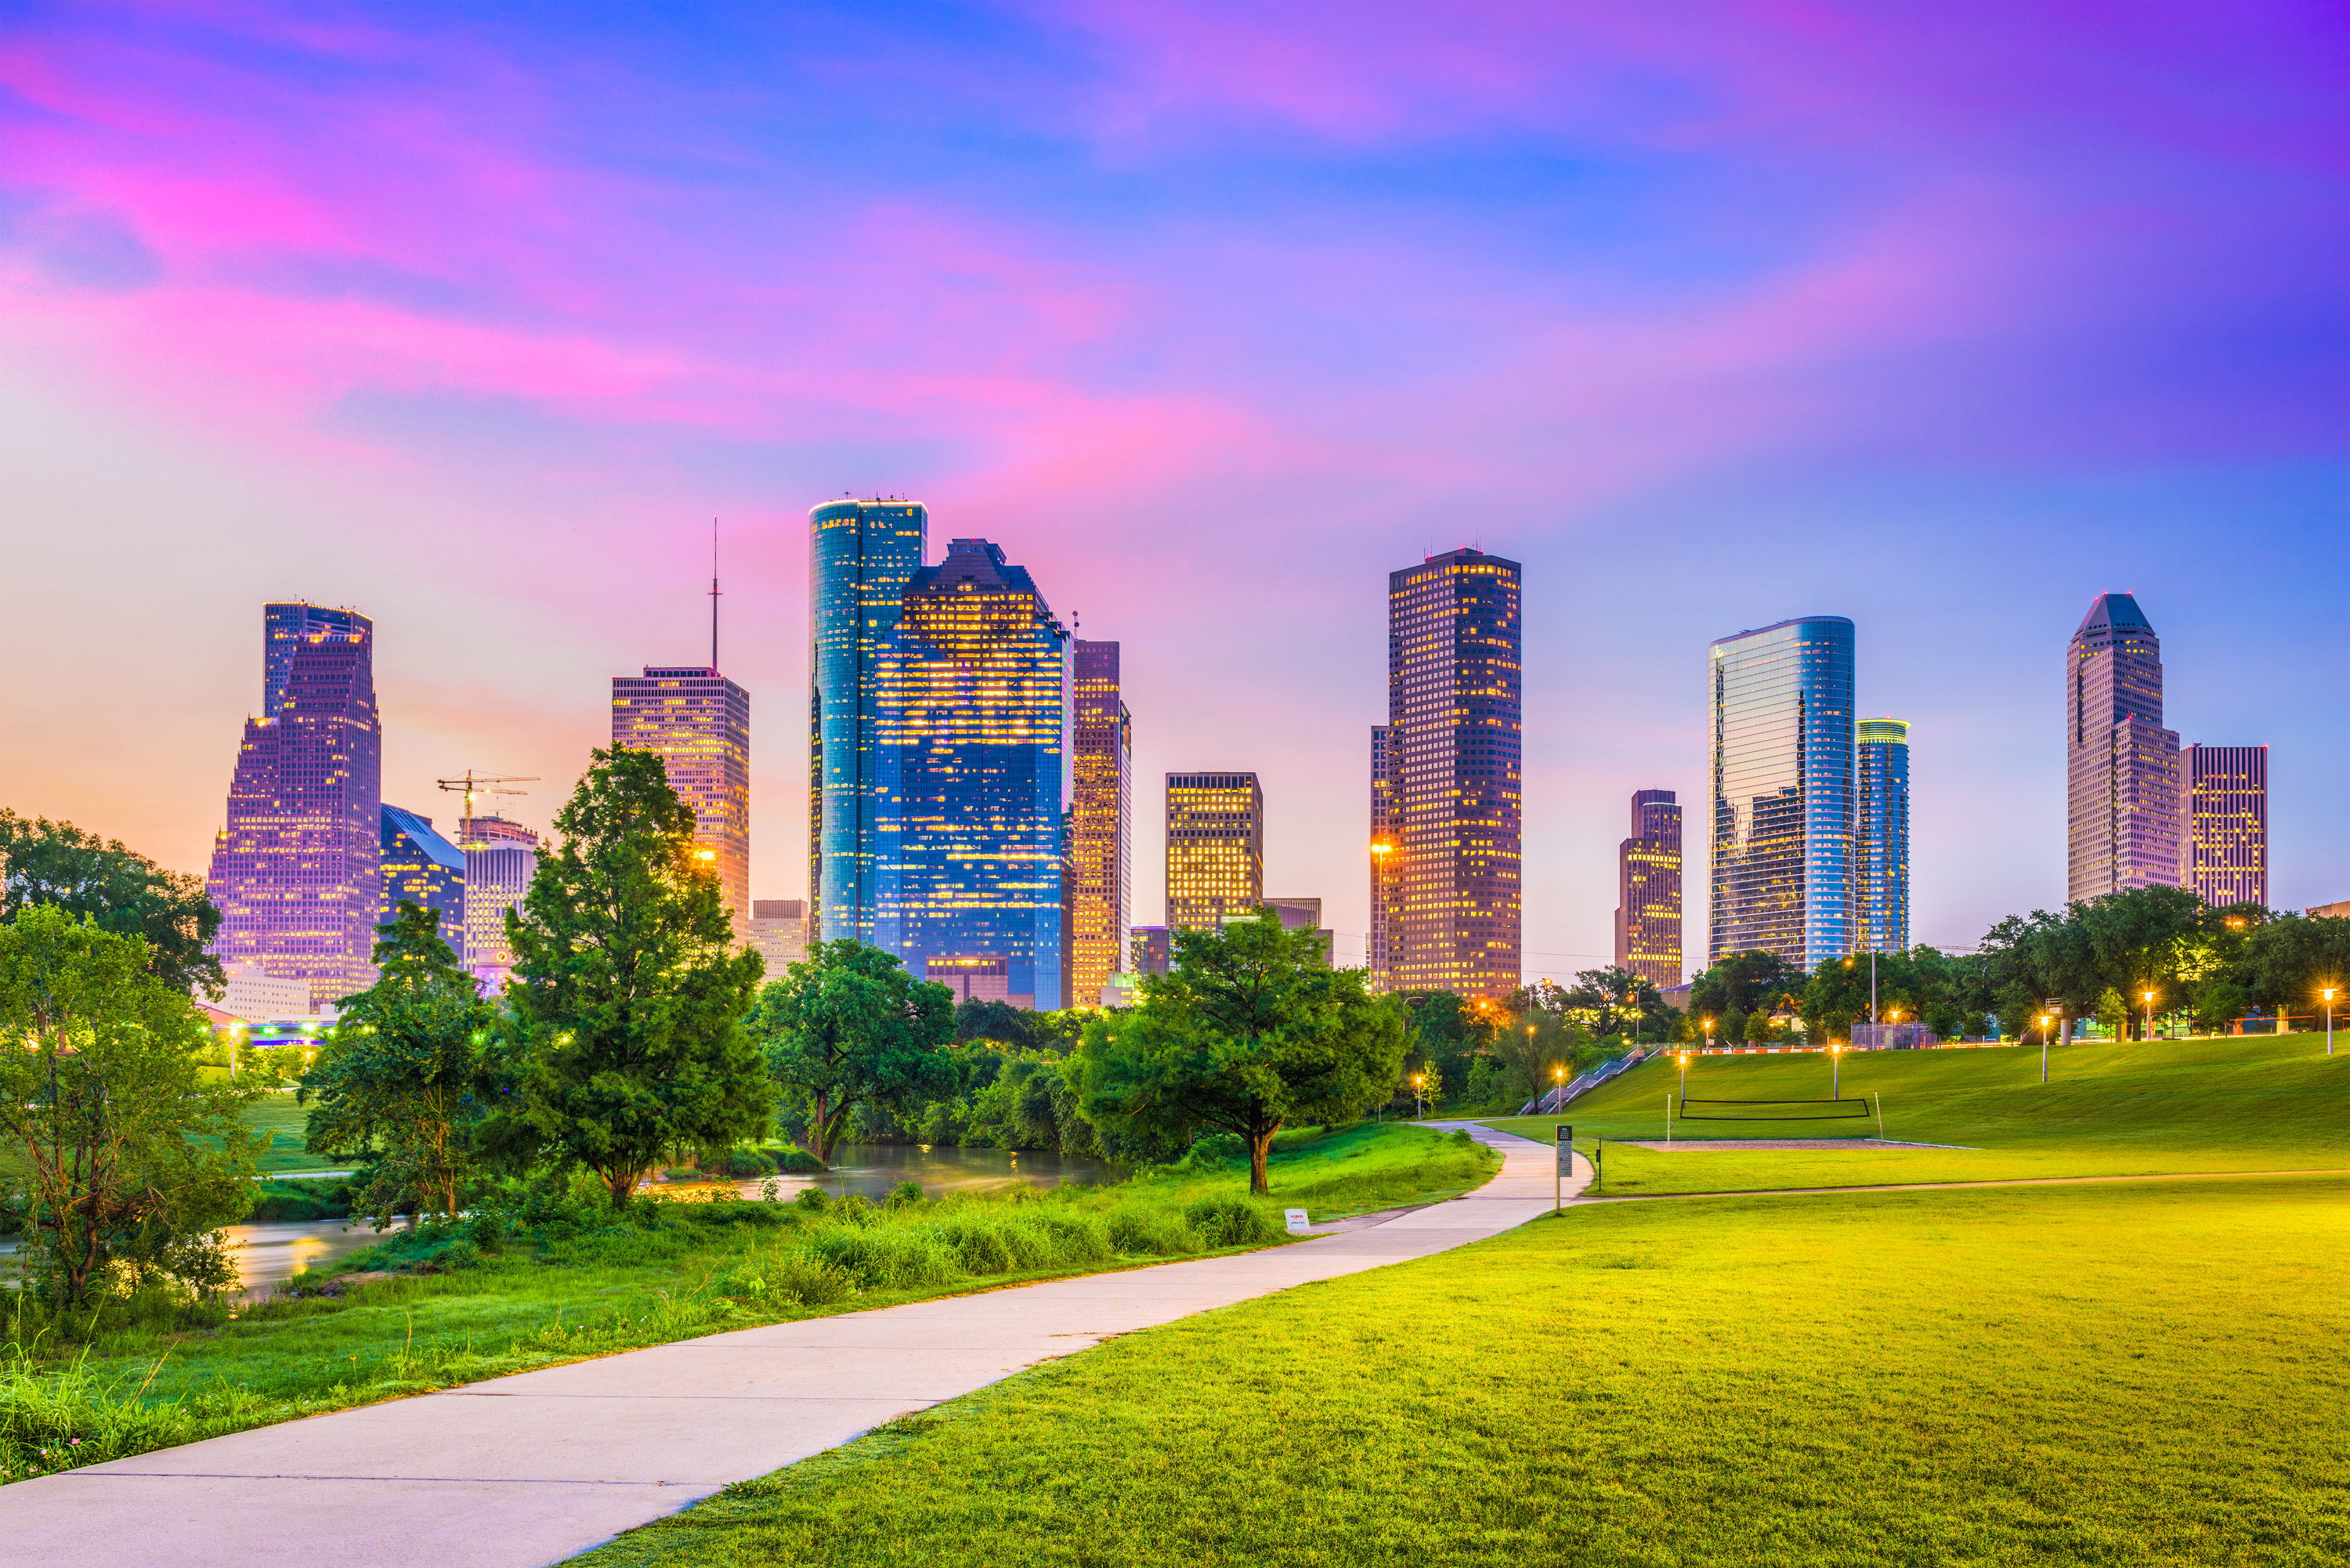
<point>1649,890</point>
<point>1215,849</point>
<point>501,857</point>
<point>1882,847</point>
<point>1455,722</point>
<point>1151,950</point>
<point>1387,868</point>
<point>2121,766</point>
<point>297,868</point>
<point>1303,915</point>
<point>1780,852</point>
<point>1101,824</point>
<point>700,723</point>
<point>422,869</point>
<point>970,729</point>
<point>779,932</point>
<point>862,556</point>
<point>2226,842</point>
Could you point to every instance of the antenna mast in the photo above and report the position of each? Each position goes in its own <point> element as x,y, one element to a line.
<point>714,596</point>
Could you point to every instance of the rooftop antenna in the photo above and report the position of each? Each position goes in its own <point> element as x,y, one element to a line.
<point>714,596</point>
<point>472,784</point>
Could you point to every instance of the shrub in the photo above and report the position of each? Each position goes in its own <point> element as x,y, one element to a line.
<point>1217,1151</point>
<point>853,1209</point>
<point>1075,1238</point>
<point>740,1164</point>
<point>1152,1233</point>
<point>884,1257</point>
<point>1232,1222</point>
<point>815,1200</point>
<point>792,1157</point>
<point>905,1193</point>
<point>811,1281</point>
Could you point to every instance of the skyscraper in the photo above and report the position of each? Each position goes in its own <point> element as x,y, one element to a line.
<point>501,857</point>
<point>2227,838</point>
<point>1649,890</point>
<point>423,868</point>
<point>969,730</point>
<point>861,556</point>
<point>1101,826</point>
<point>1215,849</point>
<point>296,871</point>
<point>779,932</point>
<point>1780,869</point>
<point>700,723</point>
<point>2121,766</point>
<point>1882,851</point>
<point>1454,725</point>
<point>1387,866</point>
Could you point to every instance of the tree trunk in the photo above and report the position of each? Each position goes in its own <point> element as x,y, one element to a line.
<point>1260,1146</point>
<point>622,1184</point>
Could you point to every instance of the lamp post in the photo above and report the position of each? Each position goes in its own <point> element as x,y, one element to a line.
<point>2329,1020</point>
<point>1417,1081</point>
<point>2044,1022</point>
<point>2149,1013</point>
<point>1558,1079</point>
<point>1683,1060</point>
<point>1836,1071</point>
<point>1709,1033</point>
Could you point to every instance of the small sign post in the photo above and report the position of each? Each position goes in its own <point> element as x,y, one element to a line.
<point>1297,1220</point>
<point>1566,1133</point>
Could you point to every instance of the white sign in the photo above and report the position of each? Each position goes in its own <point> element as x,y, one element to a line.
<point>1296,1217</point>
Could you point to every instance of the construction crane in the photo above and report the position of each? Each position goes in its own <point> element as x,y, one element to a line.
<point>474,784</point>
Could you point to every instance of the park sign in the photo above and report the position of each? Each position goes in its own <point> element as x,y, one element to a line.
<point>1565,1150</point>
<point>1297,1220</point>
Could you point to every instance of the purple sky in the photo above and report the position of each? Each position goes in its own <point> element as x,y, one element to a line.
<point>1946,317</point>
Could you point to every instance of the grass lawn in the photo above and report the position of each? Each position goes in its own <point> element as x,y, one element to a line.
<point>278,1118</point>
<point>569,1292</point>
<point>2260,1103</point>
<point>2149,1374</point>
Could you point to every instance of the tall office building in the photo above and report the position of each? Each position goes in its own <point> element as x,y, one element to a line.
<point>422,869</point>
<point>1387,866</point>
<point>1302,915</point>
<point>862,555</point>
<point>1781,855</point>
<point>779,932</point>
<point>1151,948</point>
<point>501,857</point>
<point>1101,826</point>
<point>2121,766</point>
<point>969,730</point>
<point>1215,849</point>
<point>1454,725</point>
<point>1649,890</point>
<point>2226,845</point>
<point>296,871</point>
<point>1881,844</point>
<point>700,723</point>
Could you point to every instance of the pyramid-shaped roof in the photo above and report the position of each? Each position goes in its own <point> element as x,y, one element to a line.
<point>2114,612</point>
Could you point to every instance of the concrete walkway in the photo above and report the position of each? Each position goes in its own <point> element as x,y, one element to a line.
<point>537,1467</point>
<point>1941,1185</point>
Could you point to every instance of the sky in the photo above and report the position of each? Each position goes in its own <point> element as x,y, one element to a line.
<point>1944,317</point>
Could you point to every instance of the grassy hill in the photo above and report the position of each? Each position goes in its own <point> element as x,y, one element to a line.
<point>2261,1102</point>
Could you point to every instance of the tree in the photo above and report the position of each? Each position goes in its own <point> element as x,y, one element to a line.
<point>2283,962</point>
<point>1251,1030</point>
<point>848,1026</point>
<point>101,1096</point>
<point>2220,1003</point>
<point>1428,1084</point>
<point>1742,981</point>
<point>1448,1030</point>
<point>45,862</point>
<point>1759,1030</point>
<point>1616,998</point>
<point>403,1073</point>
<point>2112,1013</point>
<point>627,1005</point>
<point>1730,1029</point>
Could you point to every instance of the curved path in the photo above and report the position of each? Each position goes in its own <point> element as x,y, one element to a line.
<point>536,1468</point>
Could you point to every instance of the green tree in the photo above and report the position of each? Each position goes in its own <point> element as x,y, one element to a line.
<point>1730,1029</point>
<point>45,862</point>
<point>403,1073</point>
<point>847,1027</point>
<point>1251,1030</point>
<point>101,1097</point>
<point>1759,1030</point>
<point>2284,962</point>
<point>1427,1079</point>
<point>1449,1029</point>
<point>627,1005</point>
<point>2112,1013</point>
<point>2219,1004</point>
<point>1740,983</point>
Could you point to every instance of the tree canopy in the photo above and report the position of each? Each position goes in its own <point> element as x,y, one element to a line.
<point>848,1026</point>
<point>45,862</point>
<point>1251,1030</point>
<point>627,1003</point>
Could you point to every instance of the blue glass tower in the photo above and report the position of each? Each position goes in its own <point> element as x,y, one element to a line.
<point>973,710</point>
<point>861,556</point>
<point>1883,852</point>
<point>423,868</point>
<point>1782,869</point>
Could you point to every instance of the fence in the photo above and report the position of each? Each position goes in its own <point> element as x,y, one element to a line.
<point>1557,1099</point>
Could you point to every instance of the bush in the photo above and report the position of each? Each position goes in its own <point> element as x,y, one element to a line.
<point>811,1281</point>
<point>1217,1151</point>
<point>792,1157</point>
<point>814,1199</point>
<point>1151,1232</point>
<point>1232,1222</point>
<point>885,1258</point>
<point>905,1193</point>
<point>741,1164</point>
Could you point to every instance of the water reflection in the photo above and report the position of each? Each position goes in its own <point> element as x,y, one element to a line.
<point>265,1254</point>
<point>873,1169</point>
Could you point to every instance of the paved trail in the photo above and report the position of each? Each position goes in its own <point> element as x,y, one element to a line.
<point>1942,1185</point>
<point>534,1469</point>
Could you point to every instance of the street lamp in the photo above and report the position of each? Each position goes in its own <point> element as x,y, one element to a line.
<point>2149,1013</point>
<point>1836,1070</point>
<point>2044,1022</point>
<point>1558,1077</point>
<point>1709,1033</point>
<point>1683,1060</point>
<point>1417,1081</point>
<point>2328,994</point>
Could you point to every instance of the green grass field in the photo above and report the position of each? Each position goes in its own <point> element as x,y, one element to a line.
<point>548,1298</point>
<point>2261,1102</point>
<point>2090,1374</point>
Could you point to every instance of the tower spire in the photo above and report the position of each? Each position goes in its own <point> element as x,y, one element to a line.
<point>713,594</point>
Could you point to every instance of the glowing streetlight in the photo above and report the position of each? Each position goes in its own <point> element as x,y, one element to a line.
<point>2044,1022</point>
<point>1709,1033</point>
<point>1836,1070</point>
<point>1418,1081</point>
<point>2149,1013</point>
<point>1558,1081</point>
<point>2328,994</point>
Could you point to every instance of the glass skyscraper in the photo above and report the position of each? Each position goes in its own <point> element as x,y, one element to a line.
<point>862,555</point>
<point>700,722</point>
<point>970,715</point>
<point>1883,850</point>
<point>501,857</point>
<point>2226,842</point>
<point>296,871</point>
<point>423,868</point>
<point>1649,890</point>
<point>1387,865</point>
<point>1101,826</point>
<point>1215,849</point>
<point>2121,766</point>
<point>1781,862</point>
<point>1455,720</point>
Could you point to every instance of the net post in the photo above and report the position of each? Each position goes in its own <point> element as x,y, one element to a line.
<point>1880,1114</point>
